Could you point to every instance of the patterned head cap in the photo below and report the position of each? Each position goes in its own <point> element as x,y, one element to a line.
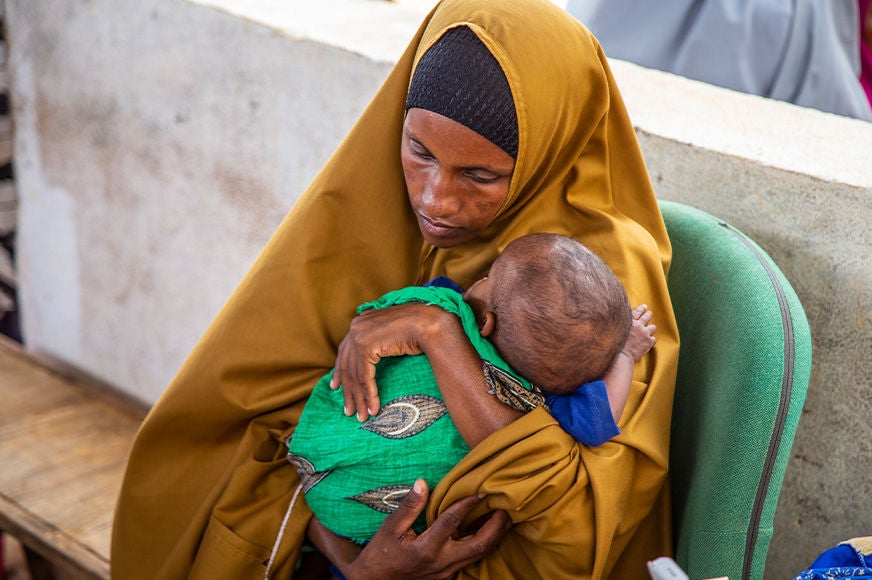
<point>460,79</point>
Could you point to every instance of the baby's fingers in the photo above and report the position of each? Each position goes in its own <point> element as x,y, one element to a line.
<point>646,317</point>
<point>638,311</point>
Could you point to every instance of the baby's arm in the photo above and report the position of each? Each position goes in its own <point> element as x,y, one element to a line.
<point>619,378</point>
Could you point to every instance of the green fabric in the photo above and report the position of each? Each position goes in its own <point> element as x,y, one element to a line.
<point>360,458</point>
<point>743,372</point>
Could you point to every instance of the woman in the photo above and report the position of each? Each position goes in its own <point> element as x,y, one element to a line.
<point>208,492</point>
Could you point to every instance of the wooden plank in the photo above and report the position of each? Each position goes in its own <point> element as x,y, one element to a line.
<point>71,556</point>
<point>63,448</point>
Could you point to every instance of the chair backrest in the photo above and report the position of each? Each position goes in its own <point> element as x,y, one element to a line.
<point>743,372</point>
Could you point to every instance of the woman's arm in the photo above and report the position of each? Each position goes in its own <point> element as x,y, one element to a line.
<point>396,551</point>
<point>413,329</point>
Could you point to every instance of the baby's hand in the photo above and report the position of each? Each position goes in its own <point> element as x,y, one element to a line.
<point>641,338</point>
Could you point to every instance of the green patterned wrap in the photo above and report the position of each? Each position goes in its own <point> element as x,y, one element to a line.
<point>354,474</point>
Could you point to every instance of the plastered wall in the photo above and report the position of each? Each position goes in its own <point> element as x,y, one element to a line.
<point>159,144</point>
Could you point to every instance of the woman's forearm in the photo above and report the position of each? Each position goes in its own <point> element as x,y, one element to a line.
<point>416,328</point>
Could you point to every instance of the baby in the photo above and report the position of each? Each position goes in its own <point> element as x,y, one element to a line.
<point>550,316</point>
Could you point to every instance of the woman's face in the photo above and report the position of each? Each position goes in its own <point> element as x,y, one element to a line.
<point>456,178</point>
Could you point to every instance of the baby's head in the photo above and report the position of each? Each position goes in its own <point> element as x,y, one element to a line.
<point>554,310</point>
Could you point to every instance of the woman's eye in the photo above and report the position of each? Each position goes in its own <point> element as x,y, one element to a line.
<point>482,177</point>
<point>419,150</point>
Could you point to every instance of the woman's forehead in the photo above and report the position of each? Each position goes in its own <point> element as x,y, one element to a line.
<point>456,145</point>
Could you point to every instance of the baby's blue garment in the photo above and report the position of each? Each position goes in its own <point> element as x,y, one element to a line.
<point>585,413</point>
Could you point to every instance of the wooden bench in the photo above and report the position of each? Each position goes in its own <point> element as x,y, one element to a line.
<point>63,448</point>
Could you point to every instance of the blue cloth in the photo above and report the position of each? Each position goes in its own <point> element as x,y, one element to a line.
<point>585,413</point>
<point>444,282</point>
<point>849,559</point>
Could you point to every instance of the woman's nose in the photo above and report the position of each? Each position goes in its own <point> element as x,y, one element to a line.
<point>440,200</point>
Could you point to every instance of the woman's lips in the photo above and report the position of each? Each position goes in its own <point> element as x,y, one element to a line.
<point>437,229</point>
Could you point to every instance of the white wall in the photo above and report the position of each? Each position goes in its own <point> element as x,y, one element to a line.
<point>158,145</point>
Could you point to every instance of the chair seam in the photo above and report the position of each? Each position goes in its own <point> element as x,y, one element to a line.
<point>783,405</point>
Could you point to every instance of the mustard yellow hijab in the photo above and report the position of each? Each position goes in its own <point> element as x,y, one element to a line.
<point>207,485</point>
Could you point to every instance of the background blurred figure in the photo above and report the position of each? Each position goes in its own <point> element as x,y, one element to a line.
<point>866,47</point>
<point>806,52</point>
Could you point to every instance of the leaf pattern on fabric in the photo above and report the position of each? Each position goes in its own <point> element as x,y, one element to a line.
<point>406,416</point>
<point>383,499</point>
<point>309,478</point>
<point>510,391</point>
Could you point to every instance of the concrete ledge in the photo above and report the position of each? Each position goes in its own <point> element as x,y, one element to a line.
<point>344,24</point>
<point>159,144</point>
<point>763,131</point>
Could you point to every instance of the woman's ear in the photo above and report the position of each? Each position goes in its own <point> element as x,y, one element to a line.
<point>489,323</point>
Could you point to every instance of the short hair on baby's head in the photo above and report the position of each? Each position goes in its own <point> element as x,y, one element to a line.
<point>562,316</point>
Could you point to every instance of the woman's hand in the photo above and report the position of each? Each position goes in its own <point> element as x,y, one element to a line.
<point>396,551</point>
<point>398,330</point>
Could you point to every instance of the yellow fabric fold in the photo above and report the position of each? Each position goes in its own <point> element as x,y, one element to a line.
<point>207,488</point>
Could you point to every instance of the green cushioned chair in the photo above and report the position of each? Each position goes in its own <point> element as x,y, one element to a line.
<point>743,371</point>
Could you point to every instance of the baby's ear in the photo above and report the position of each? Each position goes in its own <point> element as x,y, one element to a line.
<point>488,324</point>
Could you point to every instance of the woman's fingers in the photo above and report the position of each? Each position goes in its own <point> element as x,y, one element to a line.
<point>375,334</point>
<point>437,544</point>
<point>361,401</point>
<point>339,379</point>
<point>360,381</point>
<point>456,554</point>
<point>472,548</point>
<point>355,373</point>
<point>399,523</point>
<point>396,551</point>
<point>446,525</point>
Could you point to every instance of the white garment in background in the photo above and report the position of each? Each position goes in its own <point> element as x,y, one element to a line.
<point>802,51</point>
